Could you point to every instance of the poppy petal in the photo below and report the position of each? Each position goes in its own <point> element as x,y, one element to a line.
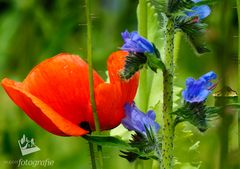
<point>55,94</point>
<point>108,100</point>
<point>116,62</point>
<point>62,83</point>
<point>40,112</point>
<point>111,98</point>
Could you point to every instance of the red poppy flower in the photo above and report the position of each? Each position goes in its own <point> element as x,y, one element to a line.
<point>55,94</point>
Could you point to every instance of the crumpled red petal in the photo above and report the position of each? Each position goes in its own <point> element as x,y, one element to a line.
<point>55,94</point>
<point>111,98</point>
<point>39,112</point>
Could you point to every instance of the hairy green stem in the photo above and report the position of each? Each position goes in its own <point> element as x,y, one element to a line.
<point>168,74</point>
<point>177,43</point>
<point>91,87</point>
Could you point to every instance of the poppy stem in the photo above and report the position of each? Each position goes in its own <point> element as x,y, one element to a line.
<point>92,155</point>
<point>90,65</point>
<point>168,74</point>
<point>91,87</point>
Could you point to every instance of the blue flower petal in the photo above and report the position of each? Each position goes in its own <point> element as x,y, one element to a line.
<point>138,121</point>
<point>201,11</point>
<point>189,81</point>
<point>209,76</point>
<point>128,109</point>
<point>196,1</point>
<point>125,36</point>
<point>133,42</point>
<point>202,94</point>
<point>151,114</point>
<point>157,126</point>
<point>197,90</point>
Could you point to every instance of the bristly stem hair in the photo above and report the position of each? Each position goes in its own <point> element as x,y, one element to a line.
<point>168,74</point>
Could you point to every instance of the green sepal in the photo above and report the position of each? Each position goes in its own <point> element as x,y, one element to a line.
<point>194,31</point>
<point>154,63</point>
<point>174,6</point>
<point>197,114</point>
<point>133,63</point>
<point>154,60</point>
<point>146,146</point>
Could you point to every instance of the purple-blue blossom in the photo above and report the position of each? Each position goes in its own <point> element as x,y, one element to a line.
<point>198,90</point>
<point>138,121</point>
<point>133,42</point>
<point>201,11</point>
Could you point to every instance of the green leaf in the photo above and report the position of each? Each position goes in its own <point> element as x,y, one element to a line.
<point>188,144</point>
<point>155,25</point>
<point>122,132</point>
<point>107,141</point>
<point>159,6</point>
<point>195,146</point>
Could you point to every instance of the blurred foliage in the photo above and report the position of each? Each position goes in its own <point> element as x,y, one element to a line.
<point>33,30</point>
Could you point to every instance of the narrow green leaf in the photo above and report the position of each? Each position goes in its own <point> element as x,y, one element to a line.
<point>107,141</point>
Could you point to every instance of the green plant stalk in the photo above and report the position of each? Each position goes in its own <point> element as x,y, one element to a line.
<point>144,88</point>
<point>227,125</point>
<point>238,11</point>
<point>90,65</point>
<point>177,43</point>
<point>142,30</point>
<point>92,155</point>
<point>91,87</point>
<point>168,74</point>
<point>142,23</point>
<point>228,116</point>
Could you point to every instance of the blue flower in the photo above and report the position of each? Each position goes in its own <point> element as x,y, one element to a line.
<point>197,90</point>
<point>201,11</point>
<point>138,121</point>
<point>133,42</point>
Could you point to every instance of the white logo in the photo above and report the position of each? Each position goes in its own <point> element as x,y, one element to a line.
<point>27,146</point>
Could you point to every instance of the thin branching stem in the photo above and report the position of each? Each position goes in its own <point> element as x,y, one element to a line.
<point>90,65</point>
<point>92,155</point>
<point>91,86</point>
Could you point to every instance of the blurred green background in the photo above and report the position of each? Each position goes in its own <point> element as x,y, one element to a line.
<point>33,30</point>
